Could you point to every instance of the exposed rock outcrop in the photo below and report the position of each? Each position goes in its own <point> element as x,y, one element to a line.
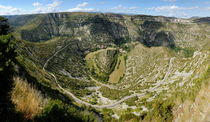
<point>108,28</point>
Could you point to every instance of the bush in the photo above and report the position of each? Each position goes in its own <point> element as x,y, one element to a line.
<point>187,52</point>
<point>57,111</point>
<point>7,60</point>
<point>129,117</point>
<point>4,26</point>
<point>7,54</point>
<point>161,111</point>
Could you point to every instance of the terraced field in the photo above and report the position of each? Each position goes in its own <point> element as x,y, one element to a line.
<point>125,67</point>
<point>118,72</point>
<point>164,73</point>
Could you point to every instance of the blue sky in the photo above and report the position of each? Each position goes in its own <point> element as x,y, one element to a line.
<point>176,8</point>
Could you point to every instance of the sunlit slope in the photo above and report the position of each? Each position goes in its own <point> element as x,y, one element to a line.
<point>133,65</point>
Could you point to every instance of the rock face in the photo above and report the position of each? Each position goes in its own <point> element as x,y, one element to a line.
<point>151,36</point>
<point>50,27</point>
<point>101,26</point>
<point>109,28</point>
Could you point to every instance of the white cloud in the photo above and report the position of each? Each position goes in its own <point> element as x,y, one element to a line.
<point>165,8</point>
<point>51,7</point>
<point>172,10</point>
<point>81,7</point>
<point>54,5</point>
<point>36,4</point>
<point>169,0</point>
<point>122,9</point>
<point>9,10</point>
<point>84,4</point>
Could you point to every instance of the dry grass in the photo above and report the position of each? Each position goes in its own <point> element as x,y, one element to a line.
<point>118,72</point>
<point>197,111</point>
<point>28,100</point>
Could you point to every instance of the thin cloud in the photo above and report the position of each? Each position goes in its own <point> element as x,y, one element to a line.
<point>54,5</point>
<point>172,10</point>
<point>122,9</point>
<point>84,4</point>
<point>81,7</point>
<point>9,10</point>
<point>169,0</point>
<point>51,7</point>
<point>36,4</point>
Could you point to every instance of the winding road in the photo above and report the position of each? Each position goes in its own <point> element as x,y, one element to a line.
<point>46,63</point>
<point>106,85</point>
<point>165,77</point>
<point>76,99</point>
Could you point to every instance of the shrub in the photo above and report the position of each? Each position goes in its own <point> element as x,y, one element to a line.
<point>187,52</point>
<point>161,111</point>
<point>129,117</point>
<point>57,111</point>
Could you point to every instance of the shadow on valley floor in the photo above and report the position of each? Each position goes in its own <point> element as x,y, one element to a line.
<point>152,37</point>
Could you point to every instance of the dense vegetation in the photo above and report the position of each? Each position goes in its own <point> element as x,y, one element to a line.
<point>7,62</point>
<point>57,111</point>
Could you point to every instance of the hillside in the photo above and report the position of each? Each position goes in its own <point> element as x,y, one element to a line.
<point>126,67</point>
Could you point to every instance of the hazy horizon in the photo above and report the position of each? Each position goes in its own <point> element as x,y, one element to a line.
<point>169,8</point>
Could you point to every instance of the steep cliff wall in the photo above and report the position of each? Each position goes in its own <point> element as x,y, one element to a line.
<point>110,28</point>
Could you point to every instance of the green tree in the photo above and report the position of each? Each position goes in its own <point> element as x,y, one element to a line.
<point>7,55</point>
<point>4,26</point>
<point>57,111</point>
<point>7,50</point>
<point>7,60</point>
